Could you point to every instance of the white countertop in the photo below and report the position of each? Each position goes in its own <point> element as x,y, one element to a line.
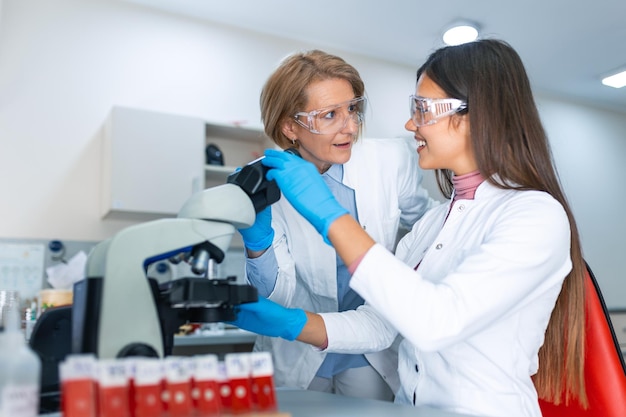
<point>301,403</point>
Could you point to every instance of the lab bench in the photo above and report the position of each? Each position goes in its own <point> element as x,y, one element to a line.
<point>301,403</point>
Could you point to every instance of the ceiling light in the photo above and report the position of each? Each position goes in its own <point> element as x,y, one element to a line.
<point>616,80</point>
<point>461,33</point>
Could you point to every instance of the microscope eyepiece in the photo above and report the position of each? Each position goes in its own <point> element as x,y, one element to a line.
<point>251,179</point>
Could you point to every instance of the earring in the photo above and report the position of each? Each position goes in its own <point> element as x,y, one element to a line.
<point>293,142</point>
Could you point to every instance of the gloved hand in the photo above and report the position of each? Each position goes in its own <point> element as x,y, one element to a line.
<point>268,318</point>
<point>260,235</point>
<point>302,185</point>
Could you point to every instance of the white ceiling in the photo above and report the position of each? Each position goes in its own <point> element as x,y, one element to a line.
<point>567,45</point>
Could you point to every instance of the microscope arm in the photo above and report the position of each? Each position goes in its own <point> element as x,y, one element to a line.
<point>224,203</point>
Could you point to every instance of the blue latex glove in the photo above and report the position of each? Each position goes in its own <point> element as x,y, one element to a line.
<point>260,235</point>
<point>303,186</point>
<point>268,318</point>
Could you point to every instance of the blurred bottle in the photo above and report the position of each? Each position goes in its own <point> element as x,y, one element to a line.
<point>8,299</point>
<point>20,370</point>
<point>29,320</point>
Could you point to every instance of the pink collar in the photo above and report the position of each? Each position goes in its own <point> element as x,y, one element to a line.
<point>465,185</point>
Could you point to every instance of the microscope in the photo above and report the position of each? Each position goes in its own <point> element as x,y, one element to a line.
<point>120,311</point>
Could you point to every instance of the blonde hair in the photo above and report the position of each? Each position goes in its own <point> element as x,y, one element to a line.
<point>284,93</point>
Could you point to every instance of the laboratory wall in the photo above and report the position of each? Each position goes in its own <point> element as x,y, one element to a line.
<point>64,64</point>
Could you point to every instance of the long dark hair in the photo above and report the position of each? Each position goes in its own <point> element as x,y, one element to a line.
<point>512,151</point>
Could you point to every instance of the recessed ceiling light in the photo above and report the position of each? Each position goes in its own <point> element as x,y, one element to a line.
<point>461,33</point>
<point>616,80</point>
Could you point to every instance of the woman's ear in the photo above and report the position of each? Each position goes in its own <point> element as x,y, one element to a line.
<point>462,124</point>
<point>289,130</point>
<point>461,119</point>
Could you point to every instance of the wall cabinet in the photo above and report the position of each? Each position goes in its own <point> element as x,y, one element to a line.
<point>152,162</point>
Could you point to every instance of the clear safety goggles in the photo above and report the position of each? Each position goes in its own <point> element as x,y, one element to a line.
<point>332,119</point>
<point>426,111</point>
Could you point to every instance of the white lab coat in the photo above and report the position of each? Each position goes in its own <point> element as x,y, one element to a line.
<point>386,178</point>
<point>475,312</point>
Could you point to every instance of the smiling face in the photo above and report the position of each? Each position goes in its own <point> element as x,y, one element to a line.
<point>325,150</point>
<point>445,144</point>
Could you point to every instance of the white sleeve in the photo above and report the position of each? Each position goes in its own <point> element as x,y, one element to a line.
<point>525,254</point>
<point>285,276</point>
<point>358,331</point>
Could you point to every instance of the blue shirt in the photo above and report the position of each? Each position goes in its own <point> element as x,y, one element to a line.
<point>347,298</point>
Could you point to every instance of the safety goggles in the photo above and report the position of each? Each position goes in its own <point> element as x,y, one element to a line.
<point>332,119</point>
<point>426,111</point>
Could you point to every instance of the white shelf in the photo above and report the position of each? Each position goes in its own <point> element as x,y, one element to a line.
<point>219,169</point>
<point>238,145</point>
<point>217,174</point>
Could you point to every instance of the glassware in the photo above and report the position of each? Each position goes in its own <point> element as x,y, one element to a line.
<point>8,299</point>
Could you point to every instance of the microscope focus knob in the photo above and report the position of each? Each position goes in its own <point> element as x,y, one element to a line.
<point>200,262</point>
